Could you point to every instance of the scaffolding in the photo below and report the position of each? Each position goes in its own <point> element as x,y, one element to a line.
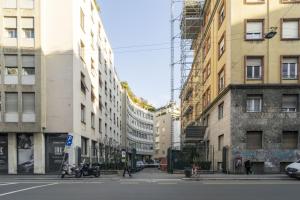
<point>190,27</point>
<point>189,21</point>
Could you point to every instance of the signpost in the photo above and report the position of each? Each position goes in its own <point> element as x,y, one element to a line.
<point>69,141</point>
<point>123,156</point>
<point>68,144</point>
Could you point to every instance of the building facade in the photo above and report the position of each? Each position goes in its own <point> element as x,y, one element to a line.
<point>162,128</point>
<point>248,83</point>
<point>57,78</point>
<point>138,129</point>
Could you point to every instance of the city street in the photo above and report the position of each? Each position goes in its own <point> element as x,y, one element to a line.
<point>142,186</point>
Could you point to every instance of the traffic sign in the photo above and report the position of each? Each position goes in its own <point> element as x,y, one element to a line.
<point>69,140</point>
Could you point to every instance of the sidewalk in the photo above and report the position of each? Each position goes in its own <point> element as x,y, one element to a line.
<point>238,177</point>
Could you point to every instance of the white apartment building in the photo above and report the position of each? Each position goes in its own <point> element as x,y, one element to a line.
<point>57,77</point>
<point>138,131</point>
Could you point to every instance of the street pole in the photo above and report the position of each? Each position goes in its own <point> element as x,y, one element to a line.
<point>172,65</point>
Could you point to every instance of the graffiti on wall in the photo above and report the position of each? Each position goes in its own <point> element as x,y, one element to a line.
<point>271,158</point>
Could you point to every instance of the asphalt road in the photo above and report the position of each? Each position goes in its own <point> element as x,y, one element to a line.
<point>142,187</point>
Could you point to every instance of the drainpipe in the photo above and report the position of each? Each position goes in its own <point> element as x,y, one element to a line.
<point>268,43</point>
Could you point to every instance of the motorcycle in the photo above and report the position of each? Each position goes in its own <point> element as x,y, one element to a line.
<point>68,169</point>
<point>86,170</point>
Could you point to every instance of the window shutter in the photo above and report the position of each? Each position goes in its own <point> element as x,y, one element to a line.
<point>289,101</point>
<point>27,3</point>
<point>11,102</point>
<point>254,140</point>
<point>254,27</point>
<point>28,102</point>
<point>27,22</point>
<point>10,4</point>
<point>290,60</point>
<point>253,62</point>
<point>290,29</point>
<point>10,22</point>
<point>11,61</point>
<point>28,61</point>
<point>290,140</point>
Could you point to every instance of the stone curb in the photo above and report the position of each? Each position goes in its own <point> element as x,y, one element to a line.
<point>236,179</point>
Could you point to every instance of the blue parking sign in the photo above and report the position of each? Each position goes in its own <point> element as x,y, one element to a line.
<point>69,140</point>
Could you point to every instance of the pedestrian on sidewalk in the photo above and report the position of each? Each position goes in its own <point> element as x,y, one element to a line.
<point>248,167</point>
<point>127,167</point>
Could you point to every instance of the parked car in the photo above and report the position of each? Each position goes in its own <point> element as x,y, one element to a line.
<point>293,170</point>
<point>140,165</point>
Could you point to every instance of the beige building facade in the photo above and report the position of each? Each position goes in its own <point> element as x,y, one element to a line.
<point>163,126</point>
<point>248,83</point>
<point>57,78</point>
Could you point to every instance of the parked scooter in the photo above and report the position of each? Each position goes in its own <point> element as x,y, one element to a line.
<point>68,169</point>
<point>86,170</point>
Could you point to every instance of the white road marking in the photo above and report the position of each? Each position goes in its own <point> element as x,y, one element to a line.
<point>3,184</point>
<point>168,183</point>
<point>129,183</point>
<point>25,189</point>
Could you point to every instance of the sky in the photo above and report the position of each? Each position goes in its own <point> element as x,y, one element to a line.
<point>143,27</point>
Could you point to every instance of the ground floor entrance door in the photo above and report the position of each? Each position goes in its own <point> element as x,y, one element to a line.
<point>54,145</point>
<point>3,154</point>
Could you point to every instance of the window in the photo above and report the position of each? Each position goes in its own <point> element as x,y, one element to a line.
<point>221,111</point>
<point>207,45</point>
<point>11,107</point>
<point>290,1</point>
<point>28,107</point>
<point>82,113</point>
<point>254,29</point>
<point>92,40</point>
<point>206,98</point>
<point>222,14</point>
<point>27,4</point>
<point>28,65</point>
<point>100,103</point>
<point>83,85</point>
<point>93,120</point>
<point>206,72</point>
<point>28,103</point>
<point>11,66</point>
<point>84,146</point>
<point>82,19</point>
<point>290,68</point>
<point>253,68</point>
<point>289,103</point>
<point>28,27</point>
<point>11,27</point>
<point>222,46</point>
<point>254,140</point>
<point>220,142</point>
<point>254,103</point>
<point>93,96</point>
<point>290,140</point>
<point>221,80</point>
<point>254,1</point>
<point>100,125</point>
<point>82,51</point>
<point>10,4</point>
<point>290,29</point>
<point>0,106</point>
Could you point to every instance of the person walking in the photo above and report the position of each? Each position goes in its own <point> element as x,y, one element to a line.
<point>127,167</point>
<point>248,167</point>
